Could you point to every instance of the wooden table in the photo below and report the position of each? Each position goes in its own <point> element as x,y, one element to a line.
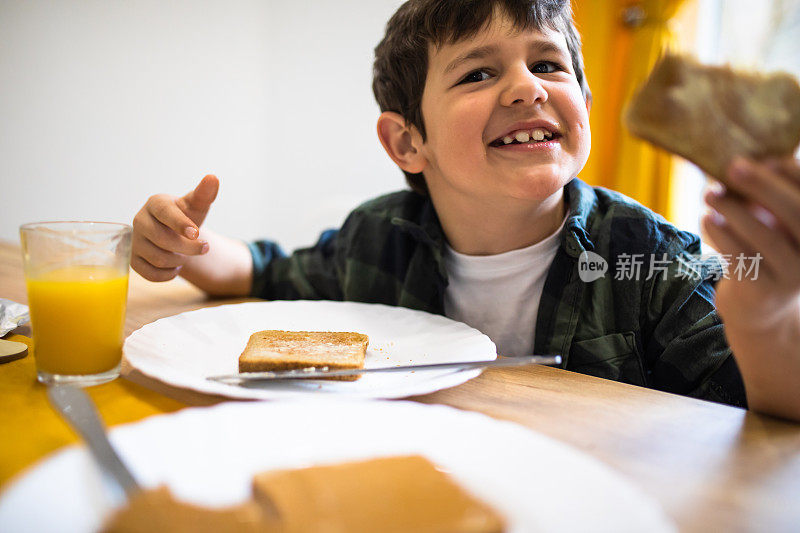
<point>712,467</point>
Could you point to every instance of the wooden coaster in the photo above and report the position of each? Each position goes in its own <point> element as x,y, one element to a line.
<point>11,351</point>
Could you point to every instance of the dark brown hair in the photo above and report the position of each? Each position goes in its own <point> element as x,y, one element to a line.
<point>401,58</point>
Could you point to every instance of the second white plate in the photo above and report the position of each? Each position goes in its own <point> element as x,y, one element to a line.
<point>183,350</point>
<point>209,456</point>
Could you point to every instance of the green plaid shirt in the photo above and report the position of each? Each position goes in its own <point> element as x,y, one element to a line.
<point>657,329</point>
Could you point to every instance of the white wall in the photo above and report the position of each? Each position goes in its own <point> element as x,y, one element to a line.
<point>106,102</point>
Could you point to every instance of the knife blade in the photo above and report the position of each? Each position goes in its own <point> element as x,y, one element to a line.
<point>78,410</point>
<point>325,372</point>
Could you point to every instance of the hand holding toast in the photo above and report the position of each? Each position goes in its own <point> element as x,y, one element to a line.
<point>762,314</point>
<point>761,220</point>
<point>742,128</point>
<point>166,231</point>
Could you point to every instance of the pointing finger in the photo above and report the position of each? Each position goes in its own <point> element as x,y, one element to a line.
<point>197,202</point>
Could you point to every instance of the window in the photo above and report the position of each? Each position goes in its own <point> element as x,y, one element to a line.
<point>762,35</point>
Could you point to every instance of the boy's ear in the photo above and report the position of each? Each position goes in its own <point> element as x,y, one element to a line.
<point>401,142</point>
<point>589,102</point>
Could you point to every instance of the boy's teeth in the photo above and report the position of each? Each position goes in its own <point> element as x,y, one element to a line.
<point>537,134</point>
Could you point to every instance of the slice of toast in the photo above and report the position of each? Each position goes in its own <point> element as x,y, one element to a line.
<point>288,350</point>
<point>710,114</point>
<point>387,494</point>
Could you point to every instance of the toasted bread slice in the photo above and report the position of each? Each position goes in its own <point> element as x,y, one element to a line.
<point>387,494</point>
<point>287,350</point>
<point>710,114</point>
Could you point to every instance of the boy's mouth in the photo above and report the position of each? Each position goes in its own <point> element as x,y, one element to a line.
<point>534,135</point>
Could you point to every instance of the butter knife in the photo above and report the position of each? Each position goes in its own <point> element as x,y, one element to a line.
<point>78,410</point>
<point>325,372</point>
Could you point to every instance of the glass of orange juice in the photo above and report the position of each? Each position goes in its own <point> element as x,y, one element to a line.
<point>77,278</point>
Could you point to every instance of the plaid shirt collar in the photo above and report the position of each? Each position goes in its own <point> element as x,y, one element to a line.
<point>427,229</point>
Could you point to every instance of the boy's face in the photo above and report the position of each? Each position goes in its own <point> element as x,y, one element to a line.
<point>503,83</point>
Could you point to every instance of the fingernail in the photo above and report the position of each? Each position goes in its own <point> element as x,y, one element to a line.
<point>713,194</point>
<point>204,249</point>
<point>738,169</point>
<point>716,219</point>
<point>190,232</point>
<point>716,186</point>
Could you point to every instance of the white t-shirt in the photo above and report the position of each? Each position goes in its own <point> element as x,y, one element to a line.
<point>499,294</point>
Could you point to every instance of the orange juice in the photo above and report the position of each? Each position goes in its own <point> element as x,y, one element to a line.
<point>77,315</point>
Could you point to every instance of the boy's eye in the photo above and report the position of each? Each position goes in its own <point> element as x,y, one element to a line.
<point>544,67</point>
<point>472,77</point>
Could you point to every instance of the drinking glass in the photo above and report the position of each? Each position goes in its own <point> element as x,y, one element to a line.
<point>77,279</point>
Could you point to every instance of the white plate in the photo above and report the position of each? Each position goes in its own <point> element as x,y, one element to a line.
<point>208,456</point>
<point>183,350</point>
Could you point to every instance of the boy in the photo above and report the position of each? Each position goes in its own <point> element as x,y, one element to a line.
<point>485,109</point>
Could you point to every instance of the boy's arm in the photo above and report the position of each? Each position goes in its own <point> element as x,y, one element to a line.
<point>168,241</point>
<point>761,313</point>
<point>225,270</point>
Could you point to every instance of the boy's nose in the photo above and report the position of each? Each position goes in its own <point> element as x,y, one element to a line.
<point>523,88</point>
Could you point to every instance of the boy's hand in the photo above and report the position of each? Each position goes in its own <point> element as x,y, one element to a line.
<point>764,219</point>
<point>166,230</point>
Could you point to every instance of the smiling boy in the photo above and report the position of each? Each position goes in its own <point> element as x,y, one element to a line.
<point>485,109</point>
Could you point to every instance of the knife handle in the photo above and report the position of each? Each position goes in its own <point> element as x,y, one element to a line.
<point>77,408</point>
